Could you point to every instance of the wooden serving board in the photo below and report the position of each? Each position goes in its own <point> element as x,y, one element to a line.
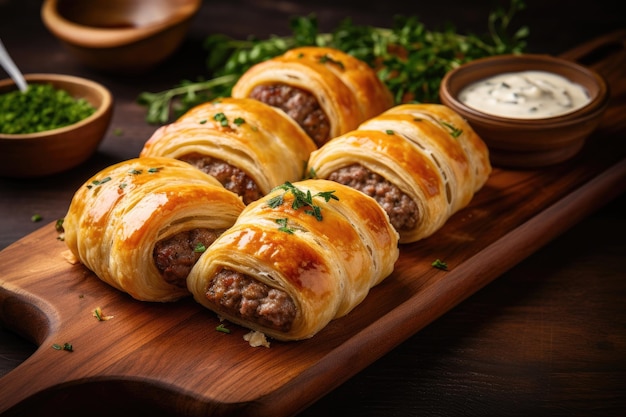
<point>168,359</point>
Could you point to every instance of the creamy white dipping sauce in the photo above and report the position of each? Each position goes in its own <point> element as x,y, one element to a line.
<point>525,95</point>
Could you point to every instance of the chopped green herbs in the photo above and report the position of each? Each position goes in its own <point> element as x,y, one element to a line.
<point>410,59</point>
<point>327,59</point>
<point>199,248</point>
<point>96,183</point>
<point>455,132</point>
<point>36,218</point>
<point>40,108</point>
<point>59,225</point>
<point>283,226</point>
<point>439,264</point>
<point>66,346</point>
<point>221,119</point>
<point>122,185</point>
<point>310,173</point>
<point>222,328</point>
<point>301,199</point>
<point>99,315</point>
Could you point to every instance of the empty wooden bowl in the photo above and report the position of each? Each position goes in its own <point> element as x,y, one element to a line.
<point>528,140</point>
<point>120,36</point>
<point>49,152</point>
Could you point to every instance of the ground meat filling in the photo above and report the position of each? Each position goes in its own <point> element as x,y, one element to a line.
<point>232,178</point>
<point>175,256</point>
<point>300,105</point>
<point>252,300</point>
<point>401,208</point>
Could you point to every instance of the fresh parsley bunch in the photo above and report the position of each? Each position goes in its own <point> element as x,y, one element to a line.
<point>408,58</point>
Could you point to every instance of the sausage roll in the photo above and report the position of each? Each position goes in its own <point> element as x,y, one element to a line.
<point>328,92</point>
<point>421,162</point>
<point>303,255</point>
<point>249,146</point>
<point>140,225</point>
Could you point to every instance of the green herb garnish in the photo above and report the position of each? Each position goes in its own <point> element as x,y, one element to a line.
<point>99,182</point>
<point>199,248</point>
<point>99,315</point>
<point>310,173</point>
<point>222,328</point>
<point>283,226</point>
<point>327,59</point>
<point>302,199</point>
<point>40,108</point>
<point>410,59</point>
<point>221,118</point>
<point>439,264</point>
<point>455,132</point>
<point>65,346</point>
<point>58,225</point>
<point>36,218</point>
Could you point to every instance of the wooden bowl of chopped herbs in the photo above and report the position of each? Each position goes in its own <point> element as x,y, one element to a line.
<point>53,126</point>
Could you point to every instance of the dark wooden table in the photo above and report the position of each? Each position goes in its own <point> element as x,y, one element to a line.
<point>546,338</point>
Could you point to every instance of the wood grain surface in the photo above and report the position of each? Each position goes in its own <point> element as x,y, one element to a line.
<point>170,360</point>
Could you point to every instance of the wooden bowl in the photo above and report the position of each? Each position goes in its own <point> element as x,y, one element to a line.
<point>528,142</point>
<point>120,36</point>
<point>44,153</point>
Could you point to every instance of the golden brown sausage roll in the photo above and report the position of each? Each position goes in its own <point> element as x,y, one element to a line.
<point>141,224</point>
<point>249,146</point>
<point>421,162</point>
<point>303,255</point>
<point>328,92</point>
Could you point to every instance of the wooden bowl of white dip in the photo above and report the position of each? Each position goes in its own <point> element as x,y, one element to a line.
<point>531,110</point>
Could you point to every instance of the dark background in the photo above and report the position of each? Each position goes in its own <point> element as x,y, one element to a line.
<point>475,360</point>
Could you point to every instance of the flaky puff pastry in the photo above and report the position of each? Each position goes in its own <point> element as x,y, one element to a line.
<point>427,151</point>
<point>325,256</point>
<point>116,218</point>
<point>347,89</point>
<point>260,140</point>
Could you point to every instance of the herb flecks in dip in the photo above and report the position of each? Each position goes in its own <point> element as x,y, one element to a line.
<point>525,95</point>
<point>40,108</point>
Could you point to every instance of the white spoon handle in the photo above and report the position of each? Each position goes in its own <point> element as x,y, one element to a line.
<point>10,67</point>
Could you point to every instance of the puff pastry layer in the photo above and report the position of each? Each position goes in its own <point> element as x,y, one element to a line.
<point>422,162</point>
<point>288,271</point>
<point>346,89</point>
<point>249,146</point>
<point>120,215</point>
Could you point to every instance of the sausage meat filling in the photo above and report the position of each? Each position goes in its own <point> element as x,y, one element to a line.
<point>252,300</point>
<point>175,256</point>
<point>401,208</point>
<point>232,178</point>
<point>300,105</point>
